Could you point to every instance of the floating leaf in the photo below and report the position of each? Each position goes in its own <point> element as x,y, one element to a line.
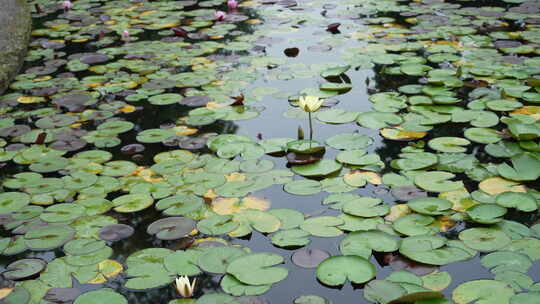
<point>100,295</point>
<point>335,271</point>
<point>258,269</point>
<point>484,239</point>
<point>309,258</point>
<point>482,292</point>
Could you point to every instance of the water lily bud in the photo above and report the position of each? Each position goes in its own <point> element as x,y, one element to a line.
<point>232,4</point>
<point>67,5</point>
<point>220,15</point>
<point>184,287</point>
<point>125,35</point>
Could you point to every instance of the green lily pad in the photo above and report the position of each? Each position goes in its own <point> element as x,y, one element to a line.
<point>361,243</point>
<point>525,298</point>
<point>180,204</point>
<point>522,201</point>
<point>414,161</point>
<point>99,296</point>
<point>415,224</point>
<point>132,202</point>
<point>216,259</point>
<point>83,246</point>
<point>216,298</point>
<point>335,71</point>
<point>336,270</point>
<point>290,238</point>
<point>154,135</point>
<point>24,269</point>
<point>449,144</point>
<point>506,261</point>
<point>289,218</point>
<point>433,250</point>
<point>383,291</point>
<point>165,99</point>
<point>482,292</point>
<point>525,167</point>
<point>430,205</point>
<point>323,226</point>
<point>231,285</point>
<point>13,201</point>
<point>378,120</point>
<point>336,116</point>
<point>366,207</point>
<point>437,181</point>
<point>48,237</point>
<point>320,168</point>
<point>62,213</point>
<point>183,262</point>
<point>482,135</point>
<point>484,239</point>
<point>486,213</point>
<point>349,141</point>
<point>217,224</point>
<point>304,146</point>
<point>171,228</point>
<point>303,187</point>
<point>258,268</point>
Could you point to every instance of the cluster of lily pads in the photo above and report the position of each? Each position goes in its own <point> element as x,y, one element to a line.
<point>468,81</point>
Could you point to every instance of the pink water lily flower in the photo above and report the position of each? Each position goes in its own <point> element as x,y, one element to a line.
<point>67,5</point>
<point>220,15</point>
<point>232,4</point>
<point>125,35</point>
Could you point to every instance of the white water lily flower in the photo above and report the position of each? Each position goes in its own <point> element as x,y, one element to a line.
<point>184,287</point>
<point>310,103</point>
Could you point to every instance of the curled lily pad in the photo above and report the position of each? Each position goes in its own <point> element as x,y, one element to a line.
<point>336,270</point>
<point>171,228</point>
<point>24,269</point>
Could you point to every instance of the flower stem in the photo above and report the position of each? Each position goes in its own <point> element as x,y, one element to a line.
<point>310,130</point>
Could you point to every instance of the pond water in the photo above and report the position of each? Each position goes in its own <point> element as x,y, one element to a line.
<point>146,140</point>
